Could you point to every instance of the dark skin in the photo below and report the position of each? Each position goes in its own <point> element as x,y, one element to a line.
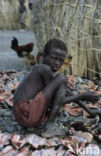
<point>54,88</point>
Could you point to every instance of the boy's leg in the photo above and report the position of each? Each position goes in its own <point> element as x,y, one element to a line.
<point>51,129</point>
<point>52,87</point>
<point>57,102</point>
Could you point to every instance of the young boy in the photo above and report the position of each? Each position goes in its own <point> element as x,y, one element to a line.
<point>41,90</point>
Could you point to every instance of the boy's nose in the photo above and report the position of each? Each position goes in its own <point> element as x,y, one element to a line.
<point>57,62</point>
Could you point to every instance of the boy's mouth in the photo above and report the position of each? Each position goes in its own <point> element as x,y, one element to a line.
<point>55,68</point>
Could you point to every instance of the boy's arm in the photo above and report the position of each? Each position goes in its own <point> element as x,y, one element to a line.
<point>72,98</point>
<point>45,73</point>
<point>89,96</point>
<point>84,96</point>
<point>92,112</point>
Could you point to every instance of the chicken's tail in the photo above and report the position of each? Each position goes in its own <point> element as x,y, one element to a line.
<point>14,43</point>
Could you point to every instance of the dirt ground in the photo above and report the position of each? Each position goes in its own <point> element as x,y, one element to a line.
<point>8,58</point>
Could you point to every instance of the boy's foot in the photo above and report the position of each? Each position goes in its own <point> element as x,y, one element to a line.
<point>53,130</point>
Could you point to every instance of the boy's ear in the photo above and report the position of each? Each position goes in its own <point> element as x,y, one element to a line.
<point>43,54</point>
<point>41,59</point>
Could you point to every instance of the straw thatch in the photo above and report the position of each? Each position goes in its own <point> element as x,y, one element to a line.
<point>78,24</point>
<point>8,14</point>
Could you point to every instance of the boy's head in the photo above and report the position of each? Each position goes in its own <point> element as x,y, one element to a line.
<point>54,43</point>
<point>55,52</point>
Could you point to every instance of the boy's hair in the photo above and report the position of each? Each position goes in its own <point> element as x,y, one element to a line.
<point>55,43</point>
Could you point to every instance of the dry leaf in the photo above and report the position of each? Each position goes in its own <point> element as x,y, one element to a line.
<point>8,151</point>
<point>75,111</point>
<point>84,136</point>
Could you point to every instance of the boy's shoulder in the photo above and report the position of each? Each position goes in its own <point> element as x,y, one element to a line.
<point>39,67</point>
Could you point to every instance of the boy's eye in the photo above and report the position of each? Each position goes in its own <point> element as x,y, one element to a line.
<point>54,58</point>
<point>61,60</point>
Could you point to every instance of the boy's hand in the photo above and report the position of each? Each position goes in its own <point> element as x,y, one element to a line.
<point>89,96</point>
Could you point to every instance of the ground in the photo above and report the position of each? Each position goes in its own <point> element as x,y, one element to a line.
<point>69,116</point>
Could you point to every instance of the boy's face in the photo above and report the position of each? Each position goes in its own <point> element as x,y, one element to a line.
<point>55,58</point>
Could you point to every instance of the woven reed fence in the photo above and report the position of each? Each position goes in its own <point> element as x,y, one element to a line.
<point>78,24</point>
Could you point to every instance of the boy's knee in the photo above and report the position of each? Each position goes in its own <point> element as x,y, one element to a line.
<point>47,70</point>
<point>62,88</point>
<point>61,91</point>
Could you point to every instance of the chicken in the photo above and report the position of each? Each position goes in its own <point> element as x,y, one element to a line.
<point>64,66</point>
<point>23,52</point>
